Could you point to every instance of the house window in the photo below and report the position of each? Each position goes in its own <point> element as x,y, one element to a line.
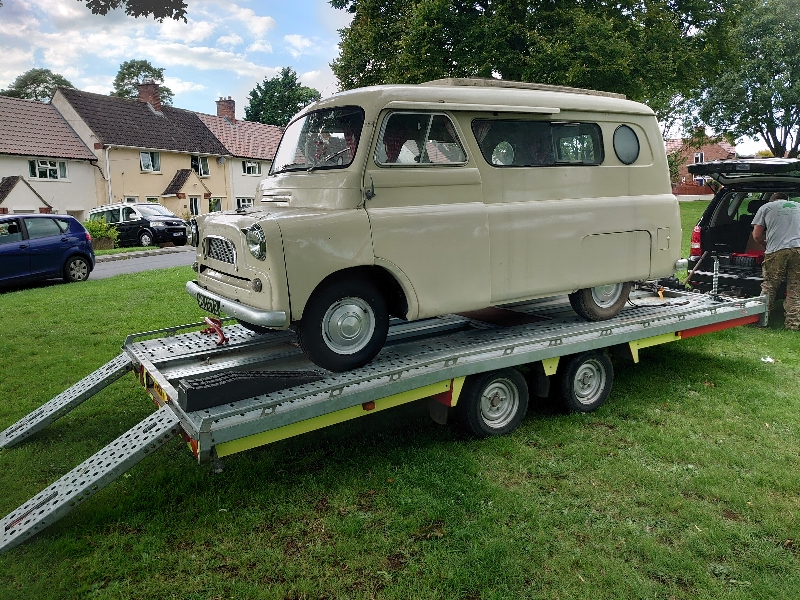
<point>151,161</point>
<point>251,167</point>
<point>152,199</point>
<point>699,157</point>
<point>131,199</point>
<point>200,165</point>
<point>215,204</point>
<point>244,202</point>
<point>194,205</point>
<point>47,169</point>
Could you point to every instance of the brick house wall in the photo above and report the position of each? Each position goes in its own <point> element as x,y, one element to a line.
<point>719,150</point>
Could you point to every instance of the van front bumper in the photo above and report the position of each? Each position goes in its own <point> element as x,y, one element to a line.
<point>264,318</point>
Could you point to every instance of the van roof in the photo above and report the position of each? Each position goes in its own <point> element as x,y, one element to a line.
<point>478,95</point>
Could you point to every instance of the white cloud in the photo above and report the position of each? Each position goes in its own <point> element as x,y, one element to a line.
<point>179,86</point>
<point>230,40</point>
<point>15,62</point>
<point>260,47</point>
<point>256,25</point>
<point>298,45</point>
<point>323,80</point>
<point>192,31</point>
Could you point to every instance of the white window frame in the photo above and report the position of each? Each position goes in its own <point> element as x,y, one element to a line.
<point>131,199</point>
<point>150,162</point>
<point>194,205</point>
<point>699,157</point>
<point>153,199</point>
<point>244,202</point>
<point>251,167</point>
<point>58,168</point>
<point>202,166</point>
<point>215,201</point>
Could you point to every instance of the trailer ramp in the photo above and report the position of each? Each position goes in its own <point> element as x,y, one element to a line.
<point>66,401</point>
<point>88,478</point>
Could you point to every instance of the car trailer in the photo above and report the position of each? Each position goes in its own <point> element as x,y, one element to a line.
<point>226,389</point>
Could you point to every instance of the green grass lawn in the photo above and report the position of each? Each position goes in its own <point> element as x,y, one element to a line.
<point>685,485</point>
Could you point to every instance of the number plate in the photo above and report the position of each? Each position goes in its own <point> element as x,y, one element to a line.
<point>208,304</point>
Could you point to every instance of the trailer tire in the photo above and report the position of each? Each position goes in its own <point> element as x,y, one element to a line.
<point>586,381</point>
<point>344,324</point>
<point>600,302</point>
<point>493,403</point>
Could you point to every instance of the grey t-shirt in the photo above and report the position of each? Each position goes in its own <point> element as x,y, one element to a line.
<point>782,221</point>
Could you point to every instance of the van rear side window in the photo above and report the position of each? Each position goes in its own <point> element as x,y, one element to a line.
<point>515,143</point>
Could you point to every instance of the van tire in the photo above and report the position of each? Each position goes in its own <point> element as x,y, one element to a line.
<point>76,269</point>
<point>344,324</point>
<point>586,381</point>
<point>145,238</point>
<point>601,302</point>
<point>493,403</point>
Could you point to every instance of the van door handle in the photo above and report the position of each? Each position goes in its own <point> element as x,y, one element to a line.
<point>370,193</point>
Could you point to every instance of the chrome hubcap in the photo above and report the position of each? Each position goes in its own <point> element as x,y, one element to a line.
<point>78,270</point>
<point>499,403</point>
<point>606,295</point>
<point>348,325</point>
<point>590,381</point>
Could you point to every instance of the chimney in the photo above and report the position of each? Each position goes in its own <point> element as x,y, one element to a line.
<point>227,108</point>
<point>148,92</point>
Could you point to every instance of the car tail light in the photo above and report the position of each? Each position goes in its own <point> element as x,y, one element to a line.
<point>696,247</point>
<point>88,237</point>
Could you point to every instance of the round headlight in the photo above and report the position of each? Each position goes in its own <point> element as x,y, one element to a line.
<point>192,233</point>
<point>257,242</point>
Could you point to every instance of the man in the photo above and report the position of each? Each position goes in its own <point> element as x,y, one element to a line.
<point>777,226</point>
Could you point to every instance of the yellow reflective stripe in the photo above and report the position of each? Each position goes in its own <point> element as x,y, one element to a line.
<point>458,385</point>
<point>346,414</point>
<point>637,345</point>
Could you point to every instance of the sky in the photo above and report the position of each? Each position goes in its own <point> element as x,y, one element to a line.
<point>224,49</point>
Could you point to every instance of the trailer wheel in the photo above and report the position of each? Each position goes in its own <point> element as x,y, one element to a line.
<point>344,324</point>
<point>601,302</point>
<point>493,403</point>
<point>586,381</point>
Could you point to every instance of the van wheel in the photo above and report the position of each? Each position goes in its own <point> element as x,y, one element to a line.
<point>601,302</point>
<point>344,324</point>
<point>586,381</point>
<point>145,238</point>
<point>493,403</point>
<point>76,269</point>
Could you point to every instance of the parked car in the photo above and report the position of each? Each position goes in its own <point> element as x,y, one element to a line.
<point>451,196</point>
<point>725,229</point>
<point>34,246</point>
<point>142,224</point>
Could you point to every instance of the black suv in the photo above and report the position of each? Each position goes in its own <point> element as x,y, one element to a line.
<point>142,224</point>
<point>725,229</point>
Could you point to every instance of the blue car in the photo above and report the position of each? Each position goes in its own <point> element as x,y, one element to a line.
<point>38,246</point>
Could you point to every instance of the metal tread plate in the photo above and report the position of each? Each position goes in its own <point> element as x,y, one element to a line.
<point>88,478</point>
<point>66,401</point>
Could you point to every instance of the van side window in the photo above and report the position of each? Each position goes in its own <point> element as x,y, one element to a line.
<point>419,138</point>
<point>516,143</point>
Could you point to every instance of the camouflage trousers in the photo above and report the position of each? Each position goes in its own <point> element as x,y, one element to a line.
<point>777,265</point>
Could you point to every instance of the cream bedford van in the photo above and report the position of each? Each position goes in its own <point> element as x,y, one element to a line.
<point>454,195</point>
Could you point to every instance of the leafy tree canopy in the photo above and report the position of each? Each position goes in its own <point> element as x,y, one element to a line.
<point>158,9</point>
<point>36,84</point>
<point>759,94</point>
<point>276,100</point>
<point>133,72</point>
<point>657,51</point>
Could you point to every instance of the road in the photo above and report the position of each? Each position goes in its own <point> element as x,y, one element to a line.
<point>144,263</point>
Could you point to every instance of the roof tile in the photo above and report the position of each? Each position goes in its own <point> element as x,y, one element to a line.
<point>244,139</point>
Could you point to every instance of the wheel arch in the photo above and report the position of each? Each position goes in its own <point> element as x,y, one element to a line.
<point>397,299</point>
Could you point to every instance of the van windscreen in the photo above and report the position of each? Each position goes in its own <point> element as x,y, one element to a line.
<point>517,143</point>
<point>323,139</point>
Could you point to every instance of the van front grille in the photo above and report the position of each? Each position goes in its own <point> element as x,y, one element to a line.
<point>221,249</point>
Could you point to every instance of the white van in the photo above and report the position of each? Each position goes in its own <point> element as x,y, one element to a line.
<point>450,196</point>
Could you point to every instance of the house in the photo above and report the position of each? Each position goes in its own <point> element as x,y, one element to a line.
<point>147,152</point>
<point>251,144</point>
<point>44,165</point>
<point>695,150</point>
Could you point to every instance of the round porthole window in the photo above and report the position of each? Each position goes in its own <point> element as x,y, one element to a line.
<point>626,144</point>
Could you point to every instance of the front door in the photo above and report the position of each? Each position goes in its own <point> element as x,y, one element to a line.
<point>15,258</point>
<point>427,214</point>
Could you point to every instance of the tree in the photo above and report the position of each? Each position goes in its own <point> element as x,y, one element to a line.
<point>276,100</point>
<point>36,84</point>
<point>658,51</point>
<point>759,94</point>
<point>133,72</point>
<point>158,9</point>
